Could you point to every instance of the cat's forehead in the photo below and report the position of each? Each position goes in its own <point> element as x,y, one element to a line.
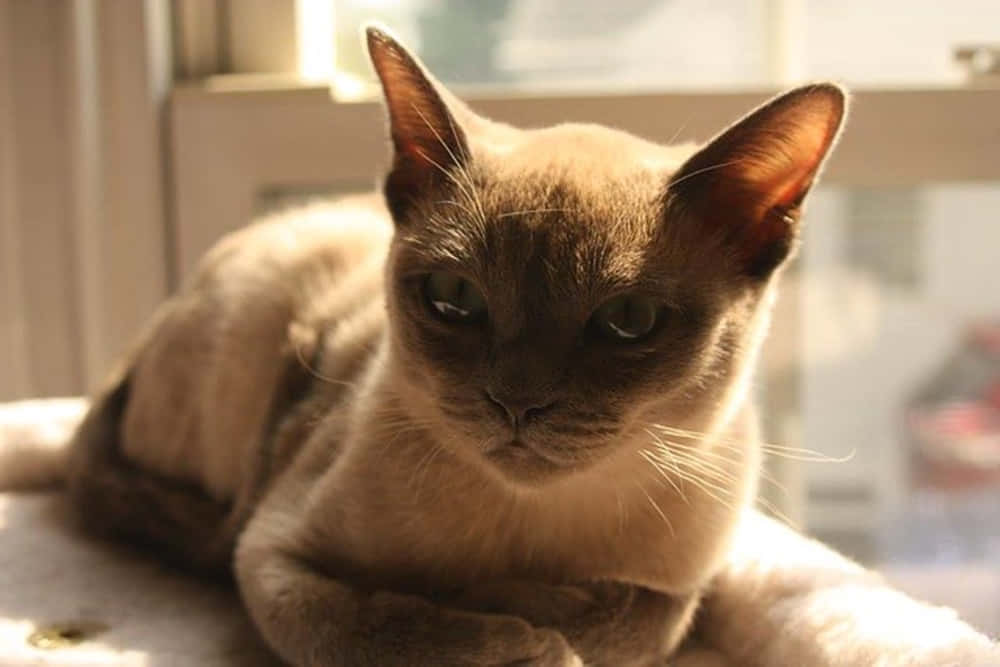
<point>570,206</point>
<point>565,212</point>
<point>582,174</point>
<point>588,183</point>
<point>589,155</point>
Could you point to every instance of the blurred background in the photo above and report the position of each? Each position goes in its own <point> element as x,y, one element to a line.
<point>133,133</point>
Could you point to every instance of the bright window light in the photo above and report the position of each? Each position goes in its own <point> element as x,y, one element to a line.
<point>314,24</point>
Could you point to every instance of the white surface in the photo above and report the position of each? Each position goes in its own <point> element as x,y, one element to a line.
<point>155,617</point>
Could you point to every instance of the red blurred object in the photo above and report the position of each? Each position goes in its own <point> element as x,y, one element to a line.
<point>954,421</point>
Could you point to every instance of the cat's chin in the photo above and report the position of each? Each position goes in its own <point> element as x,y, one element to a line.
<point>520,463</point>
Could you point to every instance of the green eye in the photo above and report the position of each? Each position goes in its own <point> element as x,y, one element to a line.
<point>626,318</point>
<point>453,298</point>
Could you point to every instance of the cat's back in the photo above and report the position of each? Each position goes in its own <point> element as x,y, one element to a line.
<point>206,373</point>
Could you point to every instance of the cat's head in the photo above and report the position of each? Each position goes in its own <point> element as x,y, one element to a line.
<point>552,292</point>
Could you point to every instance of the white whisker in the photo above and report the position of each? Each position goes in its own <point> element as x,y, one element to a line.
<point>316,374</point>
<point>793,453</point>
<point>664,474</point>
<point>657,508</point>
<point>459,205</point>
<point>698,172</point>
<point>680,129</point>
<point>531,211</point>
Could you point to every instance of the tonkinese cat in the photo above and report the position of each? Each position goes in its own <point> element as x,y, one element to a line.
<point>500,419</point>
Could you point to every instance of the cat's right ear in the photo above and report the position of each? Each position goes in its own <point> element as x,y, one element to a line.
<point>428,142</point>
<point>745,189</point>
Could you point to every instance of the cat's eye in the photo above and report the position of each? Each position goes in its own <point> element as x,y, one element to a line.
<point>626,318</point>
<point>453,298</point>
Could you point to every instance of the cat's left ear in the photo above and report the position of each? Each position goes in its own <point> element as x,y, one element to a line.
<point>428,139</point>
<point>746,187</point>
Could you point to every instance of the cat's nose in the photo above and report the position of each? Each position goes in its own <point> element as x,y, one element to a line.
<point>519,410</point>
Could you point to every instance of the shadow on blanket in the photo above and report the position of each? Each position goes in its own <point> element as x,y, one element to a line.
<point>51,575</point>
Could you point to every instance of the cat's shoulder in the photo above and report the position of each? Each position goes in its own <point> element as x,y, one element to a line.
<point>332,233</point>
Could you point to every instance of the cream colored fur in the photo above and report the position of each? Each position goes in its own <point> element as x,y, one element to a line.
<point>206,373</point>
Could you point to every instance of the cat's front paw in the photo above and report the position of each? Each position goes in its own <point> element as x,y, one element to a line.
<point>514,643</point>
<point>405,630</point>
<point>549,605</point>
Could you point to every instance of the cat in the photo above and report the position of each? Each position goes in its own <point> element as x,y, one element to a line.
<point>497,416</point>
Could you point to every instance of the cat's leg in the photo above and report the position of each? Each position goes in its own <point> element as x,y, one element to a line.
<point>310,617</point>
<point>122,500</point>
<point>115,498</point>
<point>607,623</point>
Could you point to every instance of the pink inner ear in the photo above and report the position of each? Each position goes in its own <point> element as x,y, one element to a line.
<point>745,186</point>
<point>423,131</point>
<point>412,150</point>
<point>785,188</point>
<point>786,176</point>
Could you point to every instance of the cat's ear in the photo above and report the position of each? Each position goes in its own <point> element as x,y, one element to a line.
<point>427,138</point>
<point>745,189</point>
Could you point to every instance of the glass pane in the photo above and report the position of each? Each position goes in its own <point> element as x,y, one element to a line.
<point>670,44</point>
<point>898,295</point>
<point>569,44</point>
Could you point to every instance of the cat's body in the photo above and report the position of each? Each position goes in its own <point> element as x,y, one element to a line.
<point>434,433</point>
